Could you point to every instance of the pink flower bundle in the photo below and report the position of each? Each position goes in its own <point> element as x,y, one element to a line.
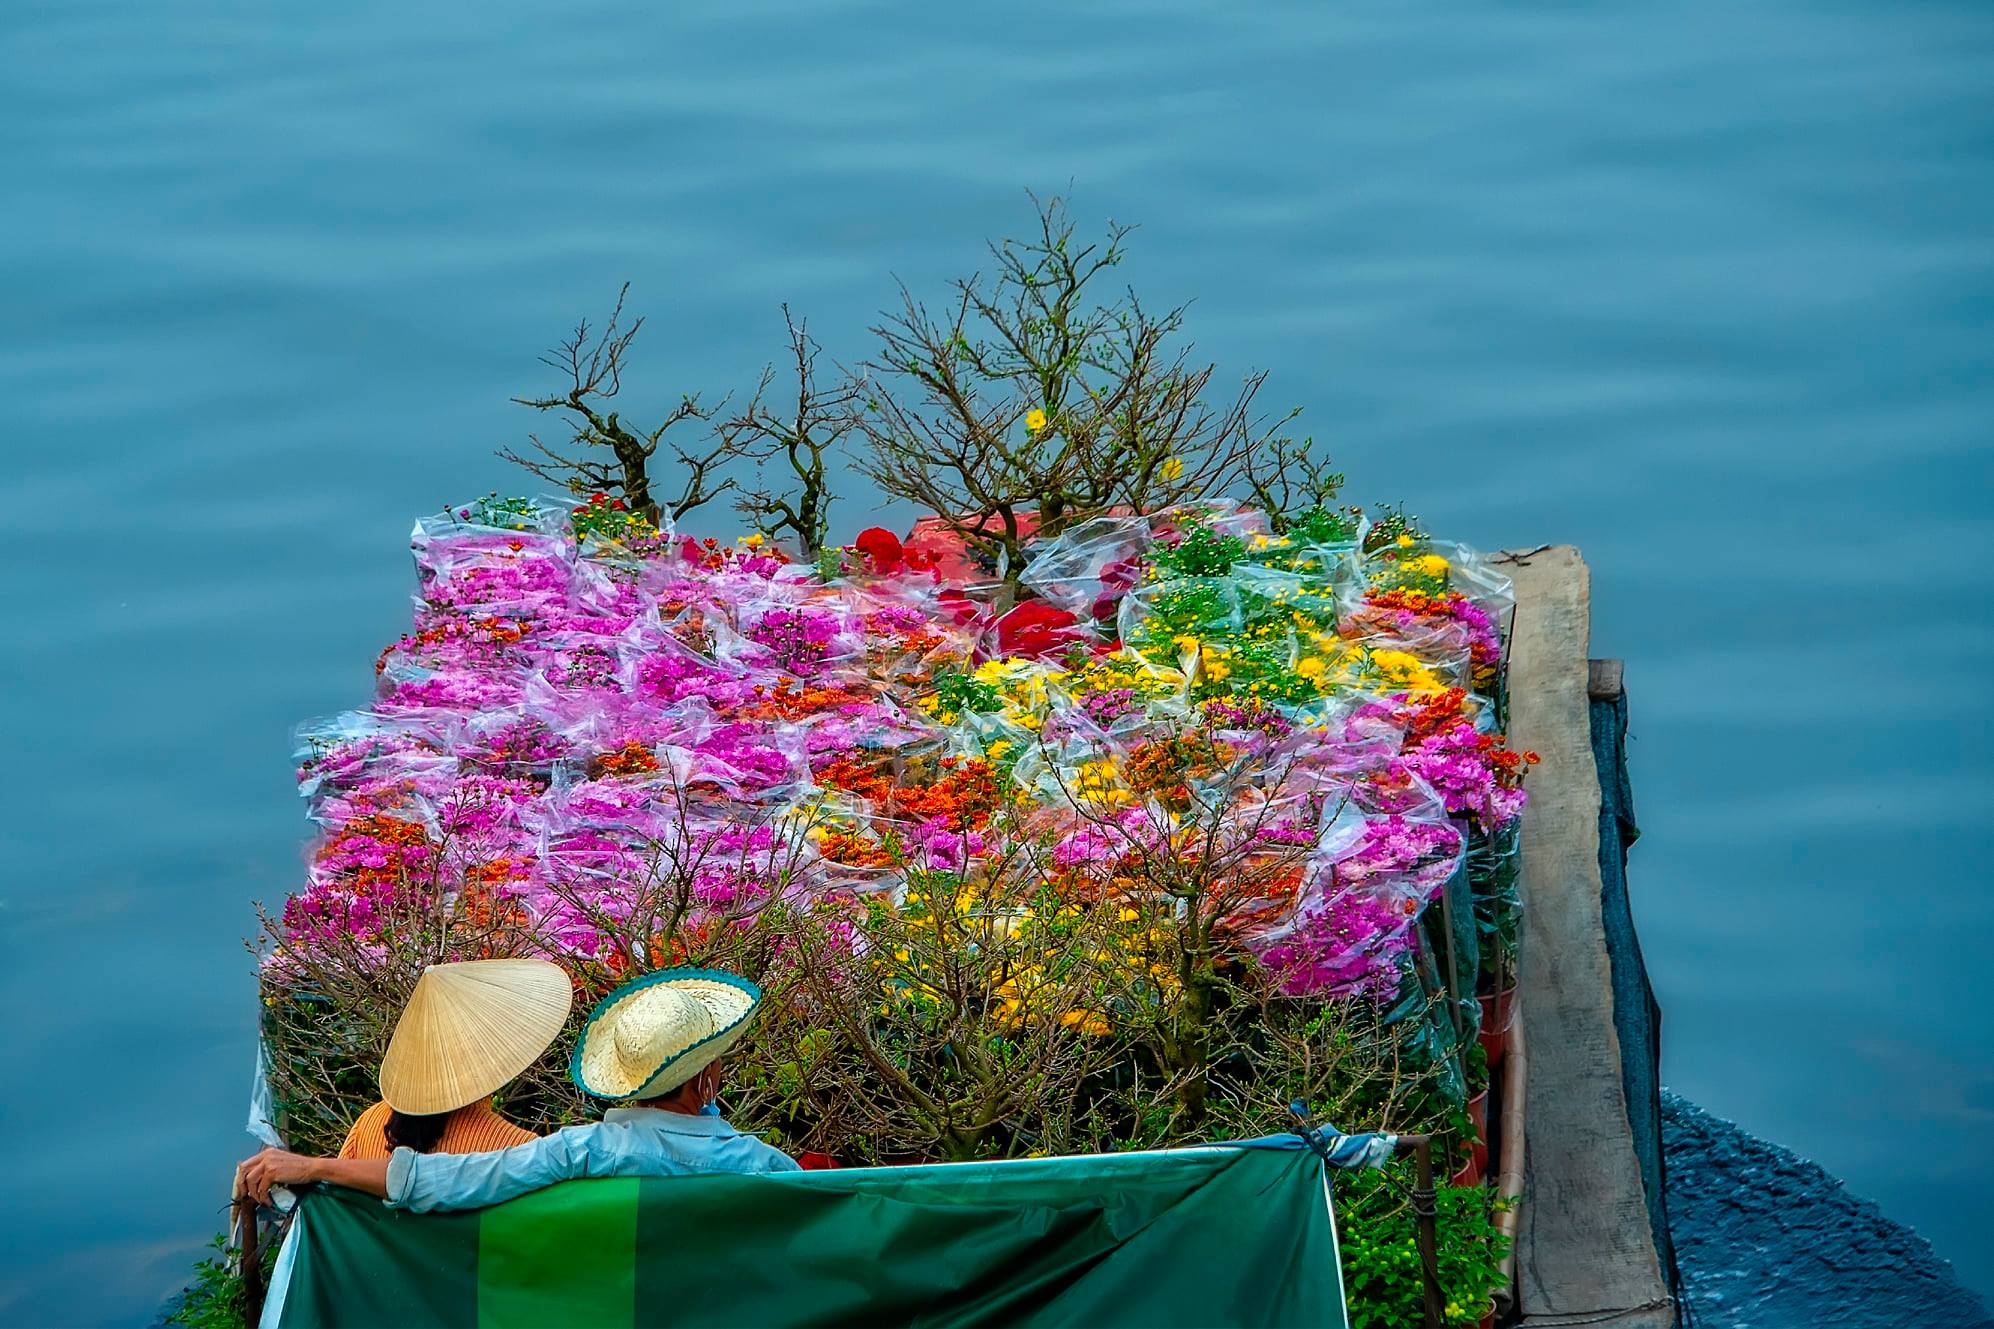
<point>571,721</point>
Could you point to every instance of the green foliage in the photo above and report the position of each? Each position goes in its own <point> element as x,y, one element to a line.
<point>1475,1065</point>
<point>217,1298</point>
<point>1186,606</point>
<point>1202,552</point>
<point>512,514</point>
<point>610,519</point>
<point>1381,1270</point>
<point>831,563</point>
<point>1323,526</point>
<point>958,692</point>
<point>1391,522</point>
<point>1494,864</point>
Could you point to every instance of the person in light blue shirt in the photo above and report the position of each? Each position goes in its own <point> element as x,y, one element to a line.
<point>656,1042</point>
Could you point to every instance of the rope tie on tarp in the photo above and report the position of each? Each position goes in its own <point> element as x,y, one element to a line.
<point>1350,1152</point>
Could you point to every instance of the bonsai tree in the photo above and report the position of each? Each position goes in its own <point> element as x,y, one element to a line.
<point>604,454</point>
<point>802,432</point>
<point>1027,403</point>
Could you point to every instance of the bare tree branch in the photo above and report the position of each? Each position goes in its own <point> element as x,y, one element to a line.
<point>805,432</point>
<point>1028,395</point>
<point>603,454</point>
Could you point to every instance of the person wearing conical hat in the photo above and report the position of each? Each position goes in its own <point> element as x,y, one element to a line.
<point>469,1029</point>
<point>655,1044</point>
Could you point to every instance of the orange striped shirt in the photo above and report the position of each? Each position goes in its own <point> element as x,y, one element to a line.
<point>476,1129</point>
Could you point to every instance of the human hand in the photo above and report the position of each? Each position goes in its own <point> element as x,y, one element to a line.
<point>274,1167</point>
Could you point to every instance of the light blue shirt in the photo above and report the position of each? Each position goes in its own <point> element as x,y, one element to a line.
<point>627,1142</point>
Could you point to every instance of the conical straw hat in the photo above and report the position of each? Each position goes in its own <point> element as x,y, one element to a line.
<point>654,1033</point>
<point>469,1028</point>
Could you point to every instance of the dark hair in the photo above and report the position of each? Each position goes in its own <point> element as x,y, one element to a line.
<point>418,1133</point>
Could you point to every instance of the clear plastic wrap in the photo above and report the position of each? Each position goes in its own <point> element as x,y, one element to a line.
<point>359,749</point>
<point>517,574</point>
<point>1159,618</point>
<point>1087,568</point>
<point>543,515</point>
<point>572,733</point>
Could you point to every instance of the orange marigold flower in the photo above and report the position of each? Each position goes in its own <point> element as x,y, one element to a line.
<point>633,758</point>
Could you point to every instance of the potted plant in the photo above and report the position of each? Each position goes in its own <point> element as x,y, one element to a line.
<point>1475,1062</point>
<point>1382,1278</point>
<point>1498,1005</point>
<point>1493,861</point>
<point>1470,1256</point>
<point>1461,1158</point>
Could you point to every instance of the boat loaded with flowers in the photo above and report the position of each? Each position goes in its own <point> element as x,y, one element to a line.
<point>1197,814</point>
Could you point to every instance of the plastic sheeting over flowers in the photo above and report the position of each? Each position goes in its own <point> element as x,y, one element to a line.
<point>580,705</point>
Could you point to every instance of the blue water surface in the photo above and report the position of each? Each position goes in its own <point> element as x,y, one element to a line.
<point>1702,288</point>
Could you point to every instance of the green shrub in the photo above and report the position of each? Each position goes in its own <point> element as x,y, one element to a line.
<point>1381,1272</point>
<point>217,1298</point>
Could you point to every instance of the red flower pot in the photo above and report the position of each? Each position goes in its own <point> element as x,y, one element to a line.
<point>1469,1175</point>
<point>1498,1009</point>
<point>1478,1113</point>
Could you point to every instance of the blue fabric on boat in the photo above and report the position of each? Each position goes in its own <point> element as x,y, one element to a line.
<point>627,1142</point>
<point>1349,1152</point>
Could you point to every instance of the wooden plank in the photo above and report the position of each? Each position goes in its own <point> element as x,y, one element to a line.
<point>1585,1249</point>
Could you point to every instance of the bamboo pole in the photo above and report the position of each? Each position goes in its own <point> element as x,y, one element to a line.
<point>1425,1228</point>
<point>1424,1212</point>
<point>1515,1075</point>
<point>1453,985</point>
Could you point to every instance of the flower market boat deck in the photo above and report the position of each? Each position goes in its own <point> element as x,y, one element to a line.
<point>1592,1243</point>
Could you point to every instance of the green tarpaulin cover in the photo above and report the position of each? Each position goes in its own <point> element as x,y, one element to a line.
<point>1217,1235</point>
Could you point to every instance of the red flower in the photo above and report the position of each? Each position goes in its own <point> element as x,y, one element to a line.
<point>1034,628</point>
<point>961,608</point>
<point>881,548</point>
<point>1117,579</point>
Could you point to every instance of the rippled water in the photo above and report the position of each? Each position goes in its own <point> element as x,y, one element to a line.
<point>1704,290</point>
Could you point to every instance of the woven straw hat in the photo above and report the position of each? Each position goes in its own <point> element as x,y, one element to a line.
<point>469,1028</point>
<point>654,1033</point>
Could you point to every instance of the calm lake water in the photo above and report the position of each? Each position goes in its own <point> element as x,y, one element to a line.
<point>1705,291</point>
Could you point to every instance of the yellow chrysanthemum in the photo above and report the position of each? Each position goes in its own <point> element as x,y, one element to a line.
<point>1099,783</point>
<point>1405,668</point>
<point>1088,1022</point>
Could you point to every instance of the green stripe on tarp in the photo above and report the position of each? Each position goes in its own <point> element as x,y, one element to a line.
<point>362,1263</point>
<point>1225,1237</point>
<point>1176,1237</point>
<point>565,1255</point>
